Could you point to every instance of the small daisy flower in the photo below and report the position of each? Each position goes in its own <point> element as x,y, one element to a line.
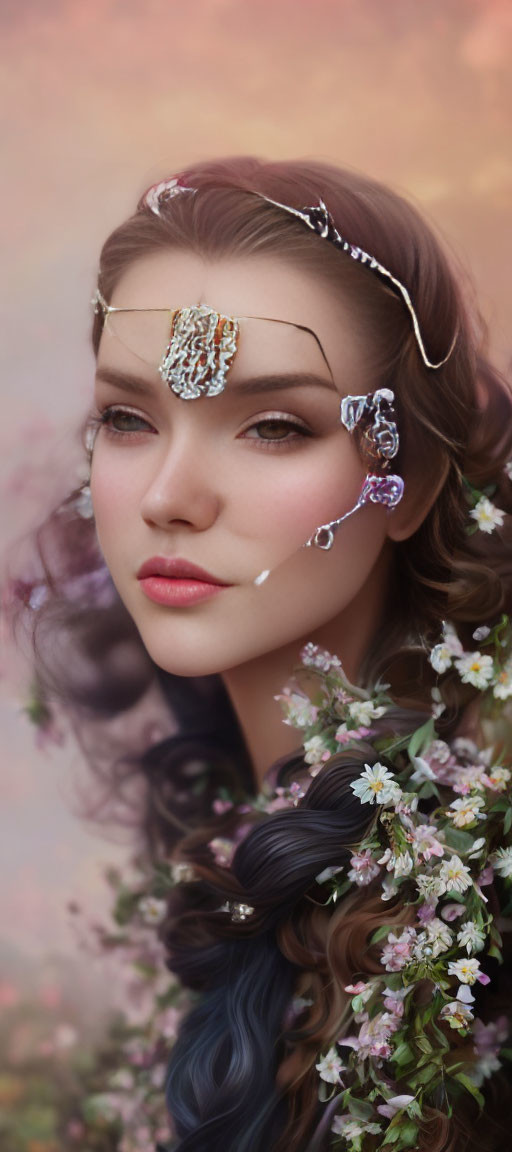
<point>314,657</point>
<point>487,515</point>
<point>471,937</point>
<point>376,784</point>
<point>502,861</point>
<point>152,911</point>
<point>475,669</point>
<point>454,875</point>
<point>330,1067</point>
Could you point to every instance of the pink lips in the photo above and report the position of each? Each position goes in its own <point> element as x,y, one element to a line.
<point>169,580</point>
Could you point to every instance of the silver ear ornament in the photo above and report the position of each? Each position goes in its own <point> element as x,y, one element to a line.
<point>374,415</point>
<point>387,490</point>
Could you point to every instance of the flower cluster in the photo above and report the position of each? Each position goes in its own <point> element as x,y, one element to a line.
<point>438,857</point>
<point>68,1087</point>
<point>488,670</point>
<point>485,515</point>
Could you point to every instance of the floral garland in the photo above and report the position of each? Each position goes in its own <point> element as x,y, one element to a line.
<point>397,1060</point>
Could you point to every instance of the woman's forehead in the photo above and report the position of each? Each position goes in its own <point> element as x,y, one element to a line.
<point>315,327</point>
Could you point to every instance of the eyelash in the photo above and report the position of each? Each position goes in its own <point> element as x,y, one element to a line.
<point>105,420</point>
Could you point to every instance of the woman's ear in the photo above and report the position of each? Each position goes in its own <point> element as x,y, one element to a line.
<point>420,493</point>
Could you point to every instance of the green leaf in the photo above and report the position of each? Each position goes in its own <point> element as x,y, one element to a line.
<point>507,823</point>
<point>403,1054</point>
<point>361,1109</point>
<point>420,738</point>
<point>456,838</point>
<point>470,1087</point>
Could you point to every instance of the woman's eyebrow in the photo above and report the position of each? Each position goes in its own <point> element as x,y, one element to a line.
<point>274,382</point>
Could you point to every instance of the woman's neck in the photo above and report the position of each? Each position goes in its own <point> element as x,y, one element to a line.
<point>252,687</point>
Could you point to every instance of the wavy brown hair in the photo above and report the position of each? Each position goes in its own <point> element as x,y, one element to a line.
<point>455,426</point>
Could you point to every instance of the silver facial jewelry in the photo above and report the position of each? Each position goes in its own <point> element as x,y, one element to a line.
<point>201,348</point>
<point>374,415</point>
<point>387,490</point>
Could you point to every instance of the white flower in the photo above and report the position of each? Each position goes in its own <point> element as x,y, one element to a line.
<point>498,777</point>
<point>502,861</point>
<point>467,971</point>
<point>471,937</point>
<point>435,939</point>
<point>487,515</point>
<point>430,887</point>
<point>152,910</point>
<point>330,1067</point>
<point>475,669</point>
<point>376,784</point>
<point>394,1105</point>
<point>454,875</point>
<point>315,750</point>
<point>442,655</point>
<point>457,1014</point>
<point>466,810</point>
<point>298,708</point>
<point>441,658</point>
<point>401,864</point>
<point>364,711</point>
<point>389,888</point>
<point>422,771</point>
<point>314,657</point>
<point>503,682</point>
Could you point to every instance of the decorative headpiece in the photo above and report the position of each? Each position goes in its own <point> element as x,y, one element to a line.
<point>319,220</point>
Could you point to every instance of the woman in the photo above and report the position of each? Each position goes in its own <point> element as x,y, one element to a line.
<point>243,524</point>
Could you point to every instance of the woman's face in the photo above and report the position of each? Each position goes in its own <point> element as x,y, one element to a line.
<point>235,483</point>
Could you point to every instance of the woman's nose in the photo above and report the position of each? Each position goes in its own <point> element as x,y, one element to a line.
<point>182,488</point>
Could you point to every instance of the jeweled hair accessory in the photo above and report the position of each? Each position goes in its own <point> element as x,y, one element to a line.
<point>319,220</point>
<point>201,347</point>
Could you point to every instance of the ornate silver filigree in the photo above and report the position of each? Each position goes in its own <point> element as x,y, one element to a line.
<point>201,348</point>
<point>387,490</point>
<point>374,413</point>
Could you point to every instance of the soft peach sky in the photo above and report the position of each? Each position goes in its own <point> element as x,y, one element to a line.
<point>105,96</point>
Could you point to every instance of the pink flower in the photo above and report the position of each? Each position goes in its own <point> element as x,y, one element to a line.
<point>221,806</point>
<point>364,867</point>
<point>452,912</point>
<point>223,850</point>
<point>394,1001</point>
<point>398,950</point>
<point>426,843</point>
<point>426,913</point>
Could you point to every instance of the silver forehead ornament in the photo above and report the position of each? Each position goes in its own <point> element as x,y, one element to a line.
<point>201,348</point>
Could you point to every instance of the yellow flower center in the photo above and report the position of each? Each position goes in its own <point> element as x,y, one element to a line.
<point>377,785</point>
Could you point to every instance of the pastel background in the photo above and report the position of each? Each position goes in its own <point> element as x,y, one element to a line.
<point>103,97</point>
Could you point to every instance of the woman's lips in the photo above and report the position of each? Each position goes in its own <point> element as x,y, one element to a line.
<point>179,591</point>
<point>177,582</point>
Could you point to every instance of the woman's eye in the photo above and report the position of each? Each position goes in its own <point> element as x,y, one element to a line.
<point>275,431</point>
<point>119,421</point>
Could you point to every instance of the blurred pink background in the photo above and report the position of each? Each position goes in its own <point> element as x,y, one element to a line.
<point>106,96</point>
